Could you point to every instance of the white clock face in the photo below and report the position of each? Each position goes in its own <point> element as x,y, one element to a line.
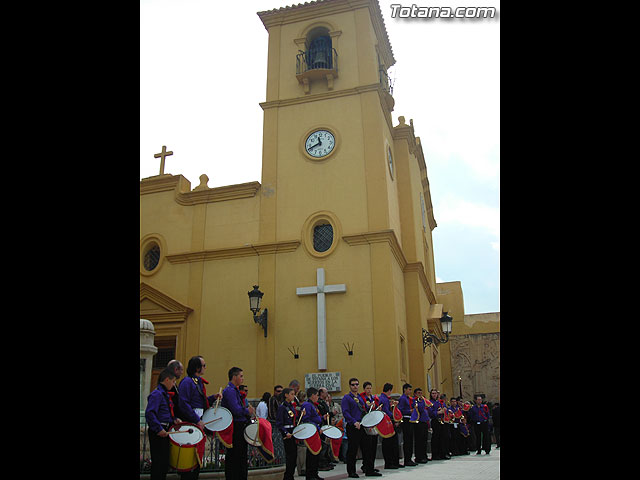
<point>320,143</point>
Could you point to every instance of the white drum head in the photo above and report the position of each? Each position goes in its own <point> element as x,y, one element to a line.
<point>371,419</point>
<point>217,420</point>
<point>304,431</point>
<point>189,434</point>
<point>251,434</point>
<point>331,431</point>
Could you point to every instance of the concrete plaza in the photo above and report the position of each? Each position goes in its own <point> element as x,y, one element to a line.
<point>466,467</point>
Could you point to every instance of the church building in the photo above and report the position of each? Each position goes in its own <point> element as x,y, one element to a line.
<point>336,236</point>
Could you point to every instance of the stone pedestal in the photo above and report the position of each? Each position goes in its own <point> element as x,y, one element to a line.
<point>147,351</point>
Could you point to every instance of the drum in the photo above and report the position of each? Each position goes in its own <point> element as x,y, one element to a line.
<point>217,420</point>
<point>370,420</point>
<point>330,431</point>
<point>182,454</point>
<point>304,431</point>
<point>251,434</point>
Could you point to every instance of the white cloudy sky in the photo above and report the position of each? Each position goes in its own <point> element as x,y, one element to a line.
<point>203,74</point>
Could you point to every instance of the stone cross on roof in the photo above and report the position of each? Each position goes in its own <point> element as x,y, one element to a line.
<point>161,156</point>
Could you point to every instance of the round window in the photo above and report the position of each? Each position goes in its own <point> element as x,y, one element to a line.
<point>322,237</point>
<point>321,233</point>
<point>152,258</point>
<point>153,249</point>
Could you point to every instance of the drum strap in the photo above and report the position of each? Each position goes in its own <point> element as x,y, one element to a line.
<point>481,411</point>
<point>202,391</point>
<point>171,394</point>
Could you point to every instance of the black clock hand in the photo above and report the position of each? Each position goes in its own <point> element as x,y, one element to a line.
<point>319,143</point>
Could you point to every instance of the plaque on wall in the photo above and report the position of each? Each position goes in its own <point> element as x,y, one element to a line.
<point>328,380</point>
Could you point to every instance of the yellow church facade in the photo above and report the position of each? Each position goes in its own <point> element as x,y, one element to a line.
<point>337,234</point>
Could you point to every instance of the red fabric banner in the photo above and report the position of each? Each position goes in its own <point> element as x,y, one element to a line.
<point>313,443</point>
<point>226,436</point>
<point>266,442</point>
<point>385,427</point>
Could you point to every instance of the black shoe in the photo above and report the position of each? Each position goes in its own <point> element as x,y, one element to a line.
<point>409,463</point>
<point>399,466</point>
<point>373,474</point>
<point>354,475</point>
<point>423,460</point>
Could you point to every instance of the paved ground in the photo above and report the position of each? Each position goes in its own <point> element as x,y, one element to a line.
<point>467,467</point>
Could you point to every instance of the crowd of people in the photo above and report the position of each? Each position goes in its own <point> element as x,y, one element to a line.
<point>456,427</point>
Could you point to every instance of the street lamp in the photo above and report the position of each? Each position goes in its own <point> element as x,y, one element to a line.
<point>429,338</point>
<point>255,296</point>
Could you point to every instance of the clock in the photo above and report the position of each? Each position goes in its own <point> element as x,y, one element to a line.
<point>320,143</point>
<point>390,160</point>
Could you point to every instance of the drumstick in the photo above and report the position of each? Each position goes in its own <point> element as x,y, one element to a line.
<point>301,415</point>
<point>214,420</point>
<point>180,431</point>
<point>218,400</point>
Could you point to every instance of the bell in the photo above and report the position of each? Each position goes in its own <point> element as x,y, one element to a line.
<point>320,59</point>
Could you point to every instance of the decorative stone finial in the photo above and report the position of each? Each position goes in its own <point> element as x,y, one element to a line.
<point>203,183</point>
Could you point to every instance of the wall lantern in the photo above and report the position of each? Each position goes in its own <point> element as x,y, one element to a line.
<point>255,296</point>
<point>429,338</point>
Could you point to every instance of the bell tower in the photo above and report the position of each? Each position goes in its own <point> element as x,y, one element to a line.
<point>327,117</point>
<point>346,186</point>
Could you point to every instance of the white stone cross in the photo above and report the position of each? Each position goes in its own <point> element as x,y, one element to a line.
<point>320,289</point>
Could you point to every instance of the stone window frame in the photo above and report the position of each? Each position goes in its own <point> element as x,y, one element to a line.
<point>319,218</point>
<point>147,243</point>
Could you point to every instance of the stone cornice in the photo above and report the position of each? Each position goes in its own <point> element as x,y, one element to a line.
<point>389,237</point>
<point>406,132</point>
<point>173,311</point>
<point>418,268</point>
<point>184,195</point>
<point>234,252</point>
<point>321,96</point>
<point>381,236</point>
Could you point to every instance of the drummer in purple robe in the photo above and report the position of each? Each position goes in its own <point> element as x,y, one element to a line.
<point>193,395</point>
<point>390,447</point>
<point>285,423</point>
<point>405,405</point>
<point>353,409</point>
<point>160,415</point>
<point>193,390</point>
<point>311,415</point>
<point>369,443</point>
<point>479,419</point>
<point>236,467</point>
<point>421,428</point>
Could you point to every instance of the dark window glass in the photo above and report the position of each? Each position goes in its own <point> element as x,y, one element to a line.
<point>151,258</point>
<point>322,237</point>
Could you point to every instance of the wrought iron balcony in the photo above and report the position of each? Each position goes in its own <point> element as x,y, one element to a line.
<point>317,63</point>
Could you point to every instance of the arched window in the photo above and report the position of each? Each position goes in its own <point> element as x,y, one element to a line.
<point>319,49</point>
